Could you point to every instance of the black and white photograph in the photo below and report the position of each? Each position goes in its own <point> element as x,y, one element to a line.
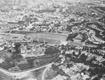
<point>52,39</point>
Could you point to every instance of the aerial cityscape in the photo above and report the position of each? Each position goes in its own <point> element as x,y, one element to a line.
<point>52,40</point>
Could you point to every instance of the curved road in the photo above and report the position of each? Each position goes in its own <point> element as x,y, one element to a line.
<point>24,73</point>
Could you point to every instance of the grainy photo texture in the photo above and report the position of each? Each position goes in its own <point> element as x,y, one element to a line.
<point>52,39</point>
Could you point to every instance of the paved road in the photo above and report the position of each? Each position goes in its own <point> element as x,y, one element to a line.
<point>22,74</point>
